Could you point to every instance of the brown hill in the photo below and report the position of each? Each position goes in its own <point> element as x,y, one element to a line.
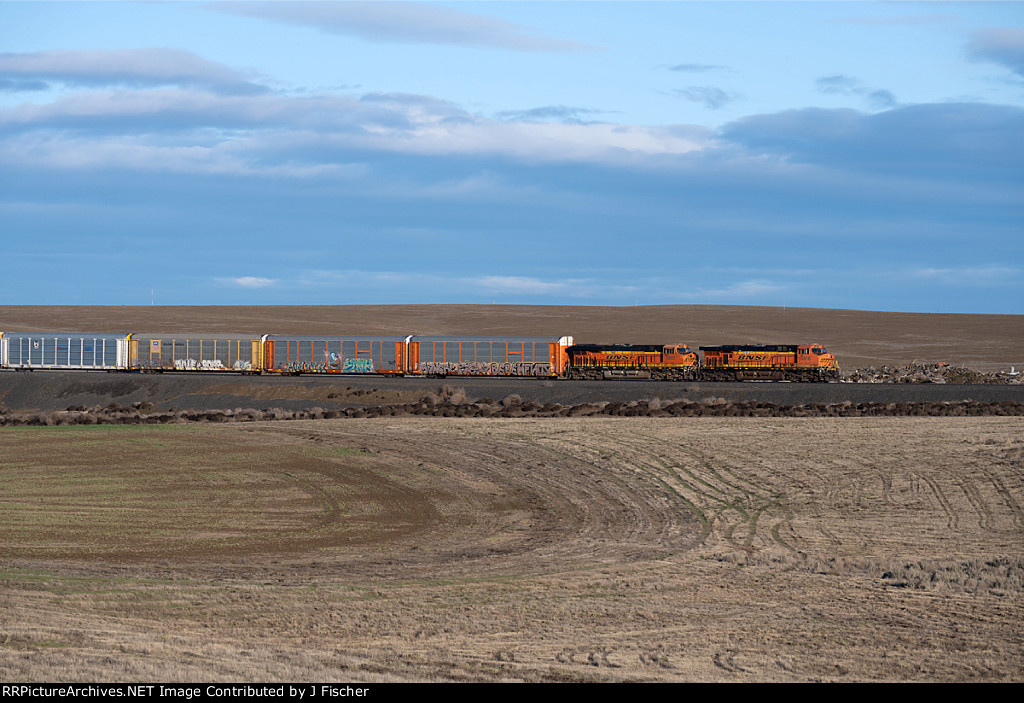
<point>859,338</point>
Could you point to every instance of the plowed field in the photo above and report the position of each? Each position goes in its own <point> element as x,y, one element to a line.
<point>563,549</point>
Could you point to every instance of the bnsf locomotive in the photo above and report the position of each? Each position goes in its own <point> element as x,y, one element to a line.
<point>670,362</point>
<point>769,362</point>
<point>416,355</point>
<point>677,362</point>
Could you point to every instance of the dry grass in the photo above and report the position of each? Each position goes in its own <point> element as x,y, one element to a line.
<point>716,549</point>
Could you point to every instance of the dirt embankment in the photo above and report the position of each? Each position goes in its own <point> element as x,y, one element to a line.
<point>62,398</point>
<point>453,402</point>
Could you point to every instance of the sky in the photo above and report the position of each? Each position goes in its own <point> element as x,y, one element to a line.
<point>849,155</point>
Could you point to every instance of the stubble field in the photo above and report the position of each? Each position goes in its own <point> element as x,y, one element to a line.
<point>563,549</point>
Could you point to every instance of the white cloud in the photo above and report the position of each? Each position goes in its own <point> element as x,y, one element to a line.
<point>171,110</point>
<point>697,68</point>
<point>523,285</point>
<point>543,142</point>
<point>709,96</point>
<point>404,23</point>
<point>239,158</point>
<point>513,287</point>
<point>509,287</point>
<point>968,275</point>
<point>1004,45</point>
<point>847,85</point>
<point>197,123</point>
<point>147,66</point>
<point>753,291</point>
<point>251,281</point>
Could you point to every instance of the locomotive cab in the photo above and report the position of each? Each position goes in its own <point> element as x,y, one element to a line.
<point>679,355</point>
<point>815,355</point>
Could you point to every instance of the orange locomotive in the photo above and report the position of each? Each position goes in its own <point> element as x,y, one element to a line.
<point>769,362</point>
<point>662,362</point>
<point>677,362</point>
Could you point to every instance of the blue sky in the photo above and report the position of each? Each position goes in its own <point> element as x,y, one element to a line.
<point>842,155</point>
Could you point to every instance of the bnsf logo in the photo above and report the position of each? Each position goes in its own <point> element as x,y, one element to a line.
<point>756,356</point>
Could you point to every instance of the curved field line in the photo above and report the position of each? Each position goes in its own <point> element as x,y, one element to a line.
<point>951,517</point>
<point>691,507</point>
<point>1014,508</point>
<point>606,503</point>
<point>886,481</point>
<point>975,499</point>
<point>715,493</point>
<point>727,503</point>
<point>758,501</point>
<point>718,471</point>
<point>687,479</point>
<point>777,536</point>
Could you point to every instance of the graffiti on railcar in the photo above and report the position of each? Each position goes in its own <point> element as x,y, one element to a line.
<point>198,365</point>
<point>496,368</point>
<point>152,364</point>
<point>331,364</point>
<point>357,366</point>
<point>190,365</point>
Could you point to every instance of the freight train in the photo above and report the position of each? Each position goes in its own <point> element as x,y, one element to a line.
<point>416,355</point>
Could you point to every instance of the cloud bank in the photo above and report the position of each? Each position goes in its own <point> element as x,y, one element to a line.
<point>328,195</point>
<point>128,67</point>
<point>404,23</point>
<point>1004,46</point>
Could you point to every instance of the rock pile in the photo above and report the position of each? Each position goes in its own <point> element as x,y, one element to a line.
<point>940,372</point>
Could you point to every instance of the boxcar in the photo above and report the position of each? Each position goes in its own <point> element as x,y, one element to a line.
<point>194,352</point>
<point>488,356</point>
<point>64,350</point>
<point>295,354</point>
